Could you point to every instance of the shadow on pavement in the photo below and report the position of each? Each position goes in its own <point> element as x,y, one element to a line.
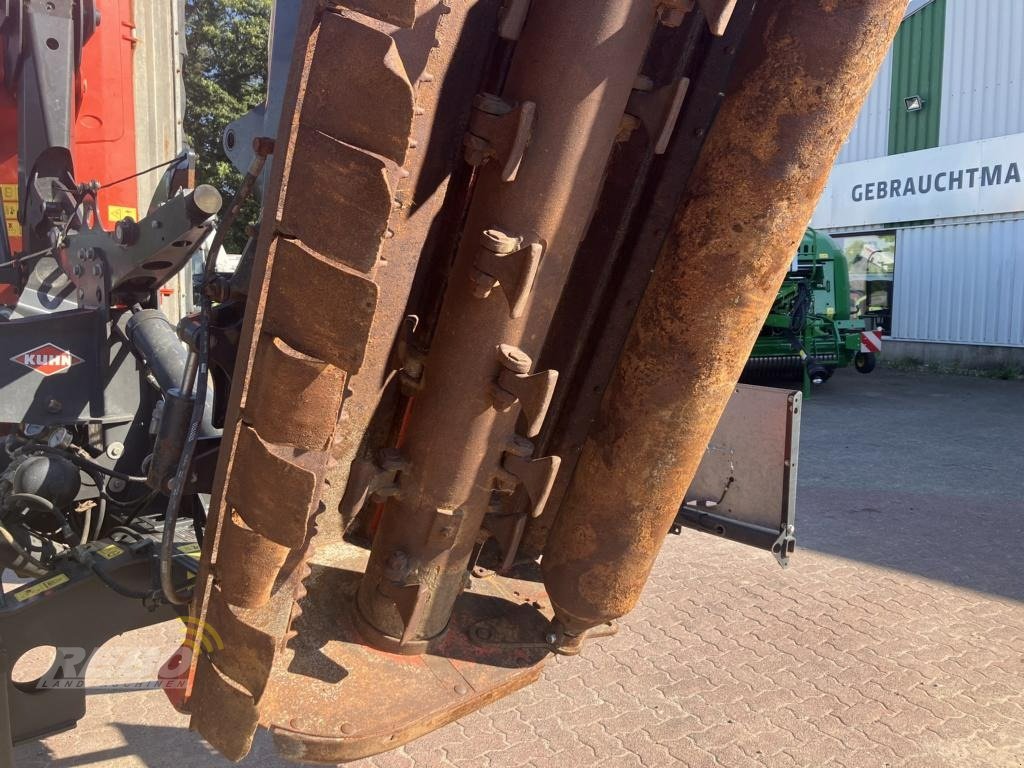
<point>919,473</point>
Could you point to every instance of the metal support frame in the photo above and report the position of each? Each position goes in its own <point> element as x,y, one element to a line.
<point>61,610</point>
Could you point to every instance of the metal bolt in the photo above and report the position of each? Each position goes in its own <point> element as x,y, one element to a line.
<point>78,270</point>
<point>90,254</point>
<point>496,241</point>
<point>54,406</point>
<point>348,729</point>
<point>115,450</point>
<point>116,484</point>
<point>97,269</point>
<point>514,358</point>
<point>461,689</point>
<point>551,638</point>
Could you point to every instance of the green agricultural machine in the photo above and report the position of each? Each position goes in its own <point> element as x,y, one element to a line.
<point>812,329</point>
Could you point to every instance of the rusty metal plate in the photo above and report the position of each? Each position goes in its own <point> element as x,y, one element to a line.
<point>224,713</point>
<point>350,193</point>
<point>374,109</point>
<point>272,490</point>
<point>250,586</point>
<point>401,13</point>
<point>242,652</point>
<point>324,702</point>
<point>314,388</point>
<point>338,330</point>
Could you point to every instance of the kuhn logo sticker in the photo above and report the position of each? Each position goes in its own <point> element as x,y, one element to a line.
<point>48,359</point>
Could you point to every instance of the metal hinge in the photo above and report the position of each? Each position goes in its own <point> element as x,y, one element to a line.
<point>499,131</point>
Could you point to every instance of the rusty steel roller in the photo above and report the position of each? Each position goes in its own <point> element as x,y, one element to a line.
<point>791,105</point>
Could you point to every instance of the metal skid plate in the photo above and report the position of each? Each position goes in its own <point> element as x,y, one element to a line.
<point>333,698</point>
<point>745,487</point>
<point>327,696</point>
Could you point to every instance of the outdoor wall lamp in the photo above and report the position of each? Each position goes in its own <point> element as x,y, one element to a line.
<point>914,103</point>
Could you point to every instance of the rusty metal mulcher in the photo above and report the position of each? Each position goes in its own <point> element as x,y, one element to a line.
<point>420,256</point>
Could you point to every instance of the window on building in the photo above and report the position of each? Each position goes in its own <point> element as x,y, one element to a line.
<point>871,258</point>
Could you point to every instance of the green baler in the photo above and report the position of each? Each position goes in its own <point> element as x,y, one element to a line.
<point>812,329</point>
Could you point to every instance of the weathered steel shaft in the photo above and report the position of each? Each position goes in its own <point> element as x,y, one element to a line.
<point>799,84</point>
<point>576,61</point>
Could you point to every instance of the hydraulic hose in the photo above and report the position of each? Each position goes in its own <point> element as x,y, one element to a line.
<point>263,148</point>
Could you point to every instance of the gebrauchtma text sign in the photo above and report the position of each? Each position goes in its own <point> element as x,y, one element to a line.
<point>979,177</point>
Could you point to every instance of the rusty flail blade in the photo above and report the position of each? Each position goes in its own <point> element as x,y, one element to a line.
<point>308,325</point>
<point>353,196</point>
<point>794,97</point>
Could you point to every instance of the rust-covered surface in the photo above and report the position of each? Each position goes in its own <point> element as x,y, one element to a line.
<point>334,267</point>
<point>337,393</point>
<point>576,61</point>
<point>805,70</point>
<point>343,700</point>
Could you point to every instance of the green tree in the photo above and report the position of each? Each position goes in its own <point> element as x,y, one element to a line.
<point>225,77</point>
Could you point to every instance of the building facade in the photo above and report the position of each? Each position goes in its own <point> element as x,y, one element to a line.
<point>927,196</point>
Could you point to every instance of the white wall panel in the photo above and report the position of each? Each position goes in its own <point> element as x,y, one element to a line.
<point>961,284</point>
<point>983,70</point>
<point>870,135</point>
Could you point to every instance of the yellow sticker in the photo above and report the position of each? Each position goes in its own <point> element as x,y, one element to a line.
<point>13,229</point>
<point>118,212</point>
<point>192,550</point>
<point>11,211</point>
<point>41,586</point>
<point>9,192</point>
<point>110,551</point>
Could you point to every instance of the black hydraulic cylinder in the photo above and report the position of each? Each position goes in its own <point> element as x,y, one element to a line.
<point>170,439</point>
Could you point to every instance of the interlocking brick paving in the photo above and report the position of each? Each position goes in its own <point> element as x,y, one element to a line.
<point>896,638</point>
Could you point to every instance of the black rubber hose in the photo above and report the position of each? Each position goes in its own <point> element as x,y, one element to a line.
<point>134,594</point>
<point>171,593</point>
<point>39,504</point>
<point>87,464</point>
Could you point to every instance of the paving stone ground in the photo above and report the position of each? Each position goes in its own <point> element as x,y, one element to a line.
<point>896,637</point>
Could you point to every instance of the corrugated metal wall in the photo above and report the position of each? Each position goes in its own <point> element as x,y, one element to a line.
<point>917,71</point>
<point>983,70</point>
<point>160,110</point>
<point>961,284</point>
<point>870,135</point>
